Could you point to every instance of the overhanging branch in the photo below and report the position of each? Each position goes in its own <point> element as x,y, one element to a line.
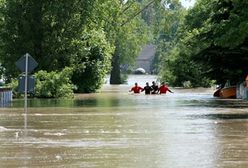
<point>136,14</point>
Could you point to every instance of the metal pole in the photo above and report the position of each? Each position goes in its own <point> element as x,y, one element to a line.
<point>26,95</point>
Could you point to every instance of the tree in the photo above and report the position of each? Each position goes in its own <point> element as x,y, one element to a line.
<point>45,29</point>
<point>213,38</point>
<point>93,61</point>
<point>220,41</point>
<point>148,9</point>
<point>124,30</point>
<point>129,37</point>
<point>56,34</point>
<point>168,19</point>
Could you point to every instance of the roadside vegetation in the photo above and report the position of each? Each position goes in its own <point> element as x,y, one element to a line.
<point>78,42</point>
<point>211,45</point>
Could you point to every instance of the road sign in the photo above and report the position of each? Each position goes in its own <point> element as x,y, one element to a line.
<point>30,84</point>
<point>21,63</point>
<point>26,83</point>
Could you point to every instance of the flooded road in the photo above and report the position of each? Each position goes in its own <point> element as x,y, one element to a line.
<point>117,129</point>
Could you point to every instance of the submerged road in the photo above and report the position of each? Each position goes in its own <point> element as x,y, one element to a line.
<point>117,129</point>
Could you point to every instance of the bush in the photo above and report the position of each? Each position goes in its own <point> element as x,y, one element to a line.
<point>14,85</point>
<point>54,84</point>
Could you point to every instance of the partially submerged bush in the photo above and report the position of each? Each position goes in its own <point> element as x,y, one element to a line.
<point>54,84</point>
<point>14,86</point>
<point>49,85</point>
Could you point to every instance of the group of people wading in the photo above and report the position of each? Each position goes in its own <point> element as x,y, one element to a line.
<point>153,89</point>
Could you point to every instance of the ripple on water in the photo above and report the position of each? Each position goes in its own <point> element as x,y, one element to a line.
<point>114,128</point>
<point>2,129</point>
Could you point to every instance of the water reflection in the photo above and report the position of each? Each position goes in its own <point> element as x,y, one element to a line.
<point>114,128</point>
<point>227,116</point>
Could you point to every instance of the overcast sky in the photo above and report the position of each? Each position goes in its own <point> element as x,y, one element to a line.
<point>188,3</point>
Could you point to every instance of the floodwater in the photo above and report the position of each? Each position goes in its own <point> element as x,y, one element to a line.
<point>117,129</point>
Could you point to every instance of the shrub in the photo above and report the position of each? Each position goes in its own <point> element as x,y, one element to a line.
<point>14,85</point>
<point>54,84</point>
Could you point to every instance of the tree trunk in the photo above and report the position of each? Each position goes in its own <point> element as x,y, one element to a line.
<point>115,76</point>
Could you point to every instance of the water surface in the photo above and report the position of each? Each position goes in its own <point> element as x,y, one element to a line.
<point>114,128</point>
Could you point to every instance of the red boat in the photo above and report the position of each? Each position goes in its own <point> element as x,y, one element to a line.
<point>226,92</point>
<point>217,93</point>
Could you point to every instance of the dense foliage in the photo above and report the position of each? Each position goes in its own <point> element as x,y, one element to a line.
<point>93,38</point>
<point>93,63</point>
<point>49,84</point>
<point>57,34</point>
<point>128,33</point>
<point>45,29</point>
<point>211,44</point>
<point>53,84</point>
<point>82,34</point>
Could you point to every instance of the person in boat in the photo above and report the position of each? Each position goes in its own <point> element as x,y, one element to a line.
<point>155,88</point>
<point>164,88</point>
<point>147,89</point>
<point>136,88</point>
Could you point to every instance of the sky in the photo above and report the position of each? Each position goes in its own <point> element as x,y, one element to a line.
<point>188,3</point>
<point>185,3</point>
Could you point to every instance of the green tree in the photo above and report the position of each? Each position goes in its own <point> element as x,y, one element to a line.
<point>226,53</point>
<point>211,44</point>
<point>93,62</point>
<point>217,37</point>
<point>162,18</point>
<point>168,18</point>
<point>130,35</point>
<point>57,34</point>
<point>45,29</point>
<point>125,30</point>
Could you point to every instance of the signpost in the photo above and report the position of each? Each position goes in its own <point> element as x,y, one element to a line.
<point>30,84</point>
<point>26,64</point>
<point>26,60</point>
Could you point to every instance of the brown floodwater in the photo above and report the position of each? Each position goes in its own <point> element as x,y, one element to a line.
<point>117,129</point>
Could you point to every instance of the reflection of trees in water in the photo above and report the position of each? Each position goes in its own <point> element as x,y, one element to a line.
<point>91,102</point>
<point>44,103</point>
<point>97,102</point>
<point>221,116</point>
<point>216,103</point>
